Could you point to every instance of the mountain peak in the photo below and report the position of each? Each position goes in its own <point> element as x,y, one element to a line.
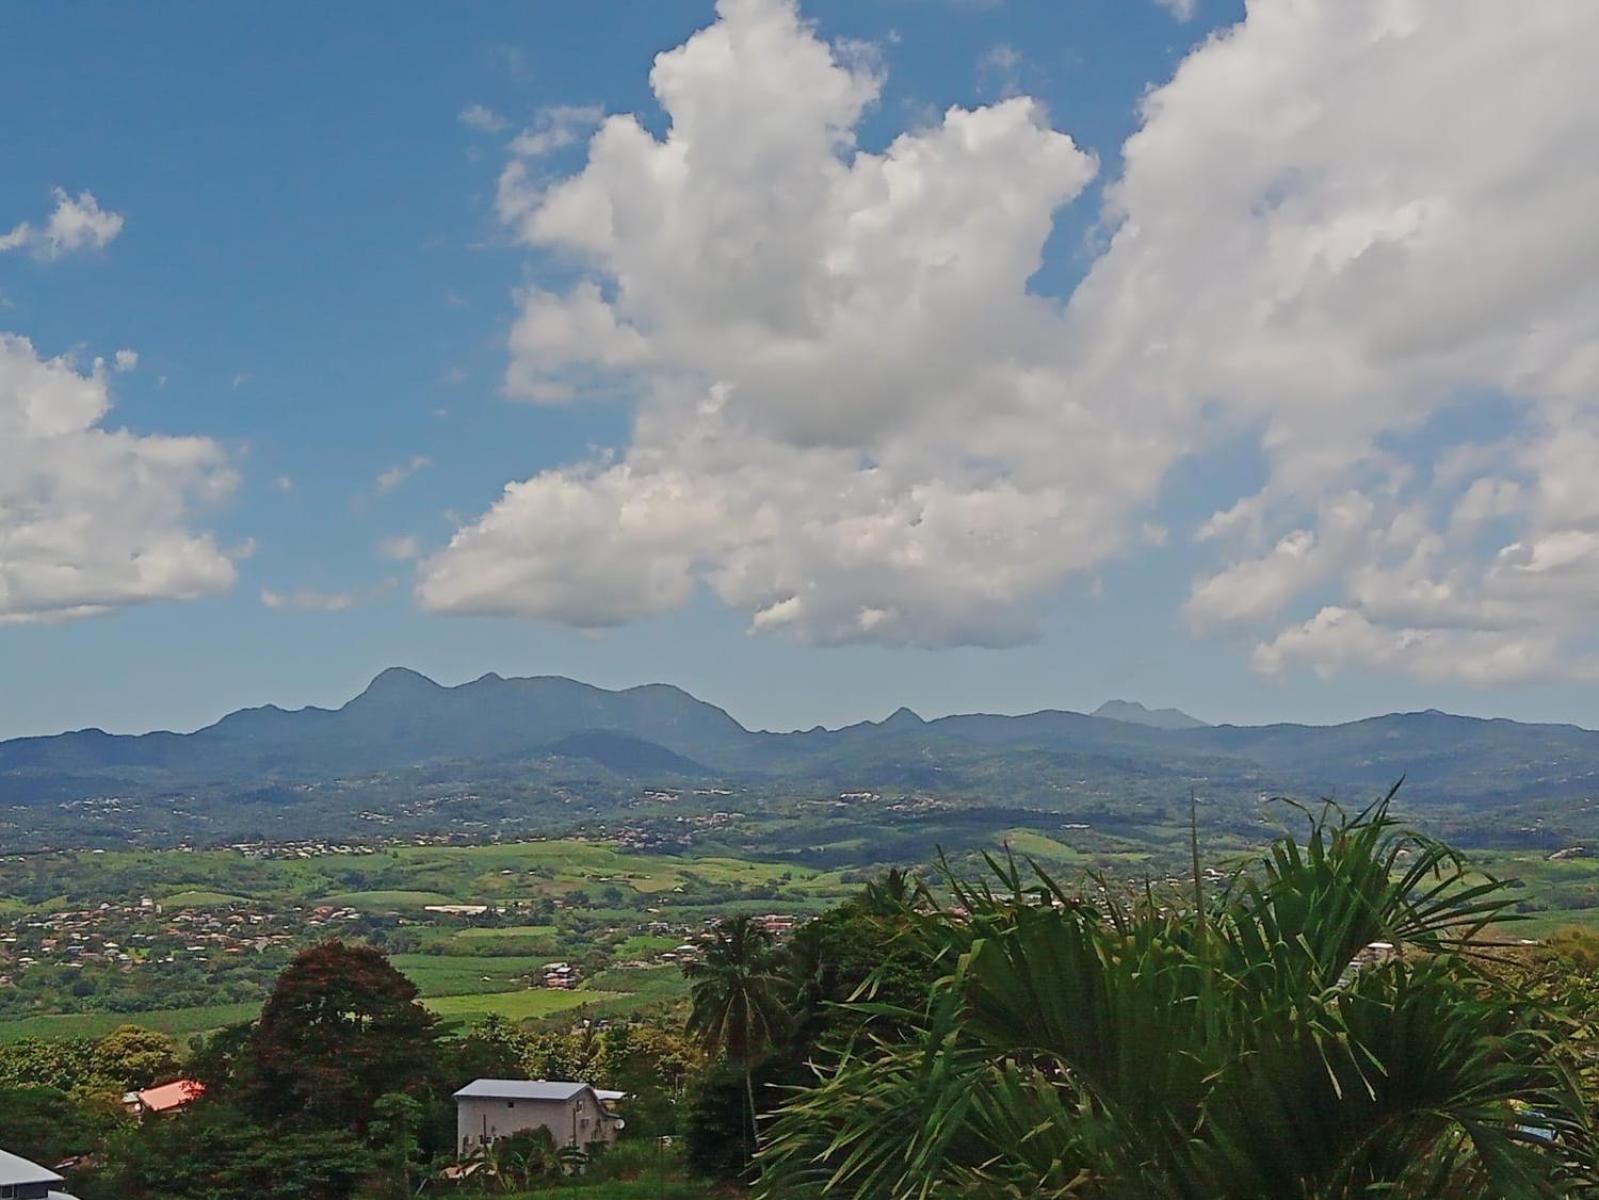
<point>901,718</point>
<point>1132,712</point>
<point>399,681</point>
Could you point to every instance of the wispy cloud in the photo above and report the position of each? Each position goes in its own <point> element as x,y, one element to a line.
<point>307,600</point>
<point>999,69</point>
<point>555,127</point>
<point>400,547</point>
<point>481,119</point>
<point>388,480</point>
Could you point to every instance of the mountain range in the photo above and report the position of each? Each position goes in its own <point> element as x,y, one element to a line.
<point>404,721</point>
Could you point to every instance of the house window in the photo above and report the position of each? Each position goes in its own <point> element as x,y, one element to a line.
<point>510,1104</point>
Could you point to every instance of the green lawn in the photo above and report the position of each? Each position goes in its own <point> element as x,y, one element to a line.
<point>639,988</point>
<point>382,901</point>
<point>1027,843</point>
<point>1540,925</point>
<point>200,898</point>
<point>402,877</point>
<point>516,1006</point>
<point>459,974</point>
<point>503,932</point>
<point>180,1022</point>
<point>643,945</point>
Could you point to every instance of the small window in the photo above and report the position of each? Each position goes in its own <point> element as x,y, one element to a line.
<point>510,1104</point>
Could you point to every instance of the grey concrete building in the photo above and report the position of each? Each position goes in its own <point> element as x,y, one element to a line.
<point>574,1113</point>
<point>24,1180</point>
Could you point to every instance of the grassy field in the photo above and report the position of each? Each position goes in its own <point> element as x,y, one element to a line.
<point>518,1005</point>
<point>469,970</point>
<point>385,900</point>
<point>459,974</point>
<point>643,945</point>
<point>199,898</point>
<point>506,933</point>
<point>398,877</point>
<point>179,1022</point>
<point>638,989</point>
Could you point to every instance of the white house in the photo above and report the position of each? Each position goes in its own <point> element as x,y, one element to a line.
<point>23,1180</point>
<point>574,1113</point>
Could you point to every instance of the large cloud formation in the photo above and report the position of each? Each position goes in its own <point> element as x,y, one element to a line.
<point>93,519</point>
<point>1337,223</point>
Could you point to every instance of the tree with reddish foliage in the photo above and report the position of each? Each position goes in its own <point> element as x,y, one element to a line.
<point>341,1028</point>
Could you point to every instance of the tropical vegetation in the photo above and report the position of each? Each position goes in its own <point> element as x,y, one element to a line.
<point>1329,1022</point>
<point>1349,1013</point>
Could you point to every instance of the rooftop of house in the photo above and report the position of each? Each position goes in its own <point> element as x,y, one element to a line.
<point>170,1095</point>
<point>16,1171</point>
<point>520,1089</point>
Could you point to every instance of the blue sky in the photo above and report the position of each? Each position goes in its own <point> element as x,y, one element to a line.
<point>328,234</point>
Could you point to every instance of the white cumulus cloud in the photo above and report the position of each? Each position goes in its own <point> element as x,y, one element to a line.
<point>1340,222</point>
<point>1336,224</point>
<point>850,425</point>
<point>95,518</point>
<point>77,223</point>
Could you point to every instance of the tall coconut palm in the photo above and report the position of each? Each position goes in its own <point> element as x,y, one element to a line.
<point>1156,1051</point>
<point>737,999</point>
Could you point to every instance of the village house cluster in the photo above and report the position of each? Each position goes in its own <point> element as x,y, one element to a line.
<point>145,934</point>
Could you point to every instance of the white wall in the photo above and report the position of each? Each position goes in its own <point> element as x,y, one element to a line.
<point>575,1122</point>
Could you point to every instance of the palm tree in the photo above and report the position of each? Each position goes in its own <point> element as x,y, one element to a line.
<point>1240,1048</point>
<point>890,894</point>
<point>736,994</point>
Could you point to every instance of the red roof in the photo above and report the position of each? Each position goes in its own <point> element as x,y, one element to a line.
<point>171,1095</point>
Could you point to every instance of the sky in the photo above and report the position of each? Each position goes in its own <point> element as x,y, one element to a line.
<point>821,358</point>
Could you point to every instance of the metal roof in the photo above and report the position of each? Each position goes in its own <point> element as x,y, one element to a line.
<point>171,1095</point>
<point>520,1089</point>
<point>15,1171</point>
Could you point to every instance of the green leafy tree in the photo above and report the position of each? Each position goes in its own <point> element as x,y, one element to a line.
<point>1241,1046</point>
<point>863,949</point>
<point>65,1064</point>
<point>520,1160</point>
<point>717,1123</point>
<point>737,994</point>
<point>224,1061</point>
<point>494,1048</point>
<point>218,1153</point>
<point>341,1028</point>
<point>137,1058</point>
<point>47,1125</point>
<point>393,1135</point>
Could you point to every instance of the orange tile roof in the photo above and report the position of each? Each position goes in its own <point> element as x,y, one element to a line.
<point>171,1095</point>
